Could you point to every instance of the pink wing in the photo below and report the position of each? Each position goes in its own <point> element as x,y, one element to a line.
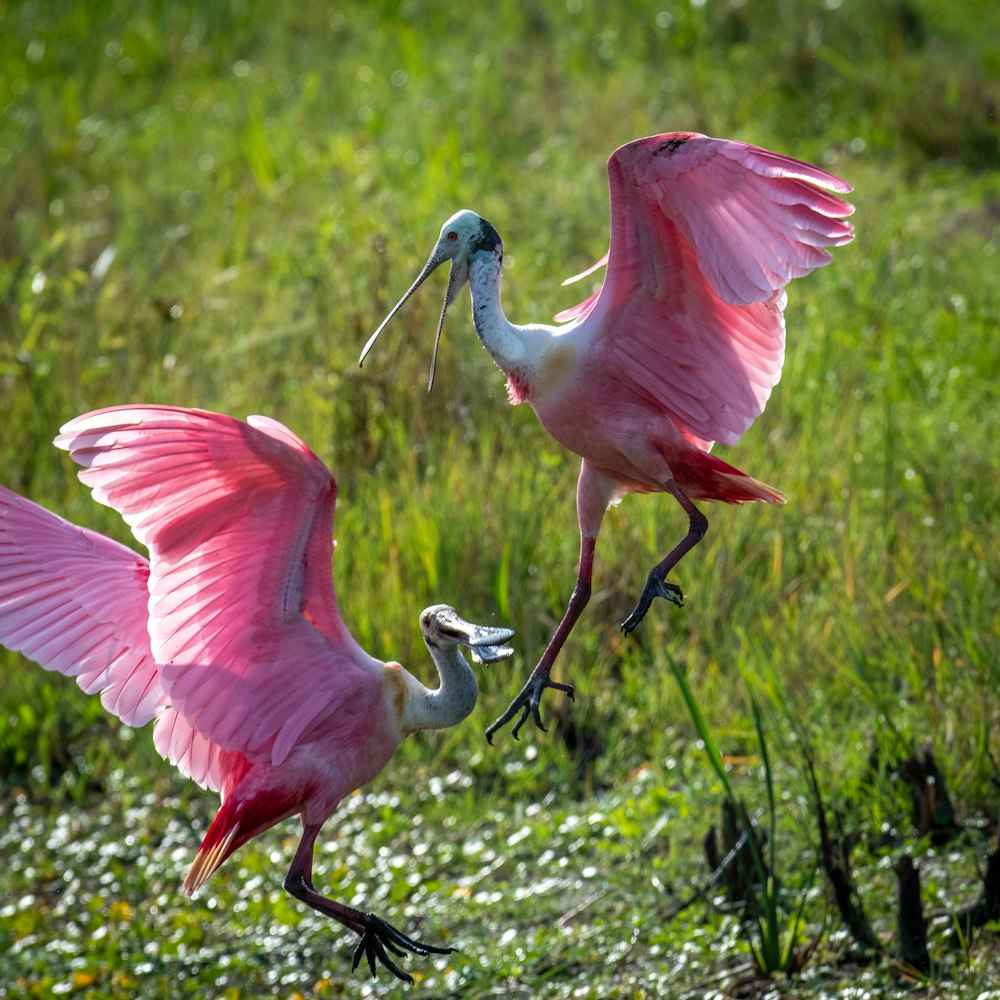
<point>705,234</point>
<point>192,753</point>
<point>75,601</point>
<point>238,520</point>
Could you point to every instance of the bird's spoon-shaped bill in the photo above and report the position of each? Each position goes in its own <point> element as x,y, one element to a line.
<point>485,642</point>
<point>490,654</point>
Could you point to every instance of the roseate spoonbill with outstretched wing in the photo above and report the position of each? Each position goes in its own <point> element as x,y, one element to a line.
<point>680,347</point>
<point>230,635</point>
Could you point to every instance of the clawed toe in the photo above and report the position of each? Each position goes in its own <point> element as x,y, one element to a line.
<point>655,587</point>
<point>527,703</point>
<point>379,935</point>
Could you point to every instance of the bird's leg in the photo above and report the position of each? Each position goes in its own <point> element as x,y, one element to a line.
<point>528,700</point>
<point>376,934</point>
<point>656,582</point>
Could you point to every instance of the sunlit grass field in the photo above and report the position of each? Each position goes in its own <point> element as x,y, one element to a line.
<point>214,205</point>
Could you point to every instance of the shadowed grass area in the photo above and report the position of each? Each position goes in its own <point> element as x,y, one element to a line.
<point>214,204</point>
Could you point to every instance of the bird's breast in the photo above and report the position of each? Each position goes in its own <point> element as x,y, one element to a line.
<point>395,691</point>
<point>559,363</point>
<point>550,375</point>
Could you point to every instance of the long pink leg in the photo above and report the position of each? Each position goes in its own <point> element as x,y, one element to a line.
<point>375,933</point>
<point>656,582</point>
<point>528,699</point>
<point>593,494</point>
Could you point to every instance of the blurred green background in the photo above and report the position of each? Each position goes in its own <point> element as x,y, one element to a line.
<point>214,204</point>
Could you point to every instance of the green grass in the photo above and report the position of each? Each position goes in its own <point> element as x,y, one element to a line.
<point>214,204</point>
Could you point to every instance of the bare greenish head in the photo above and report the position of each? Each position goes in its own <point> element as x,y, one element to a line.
<point>462,236</point>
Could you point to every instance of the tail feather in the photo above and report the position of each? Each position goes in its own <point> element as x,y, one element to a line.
<point>245,812</point>
<point>741,487</point>
<point>220,841</point>
<point>706,477</point>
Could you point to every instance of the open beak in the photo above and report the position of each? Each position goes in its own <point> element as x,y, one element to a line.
<point>457,277</point>
<point>485,642</point>
<point>491,654</point>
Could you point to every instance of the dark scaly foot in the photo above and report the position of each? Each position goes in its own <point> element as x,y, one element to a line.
<point>655,587</point>
<point>379,935</point>
<point>527,703</point>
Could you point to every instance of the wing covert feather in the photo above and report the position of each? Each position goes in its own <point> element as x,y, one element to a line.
<point>74,601</point>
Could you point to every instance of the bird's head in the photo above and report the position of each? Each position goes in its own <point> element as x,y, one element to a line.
<point>463,236</point>
<point>444,631</point>
<point>442,627</point>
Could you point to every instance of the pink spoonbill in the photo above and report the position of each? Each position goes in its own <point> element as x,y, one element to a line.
<point>230,635</point>
<point>678,349</point>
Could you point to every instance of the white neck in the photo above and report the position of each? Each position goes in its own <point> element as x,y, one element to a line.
<point>505,342</point>
<point>451,702</point>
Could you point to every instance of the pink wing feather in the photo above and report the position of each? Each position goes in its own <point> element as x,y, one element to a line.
<point>76,602</point>
<point>238,520</point>
<point>192,753</point>
<point>705,234</point>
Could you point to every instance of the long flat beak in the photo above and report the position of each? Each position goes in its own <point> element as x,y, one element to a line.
<point>491,654</point>
<point>436,259</point>
<point>485,642</point>
<point>457,277</point>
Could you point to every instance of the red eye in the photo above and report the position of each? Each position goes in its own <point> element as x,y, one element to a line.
<point>453,235</point>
